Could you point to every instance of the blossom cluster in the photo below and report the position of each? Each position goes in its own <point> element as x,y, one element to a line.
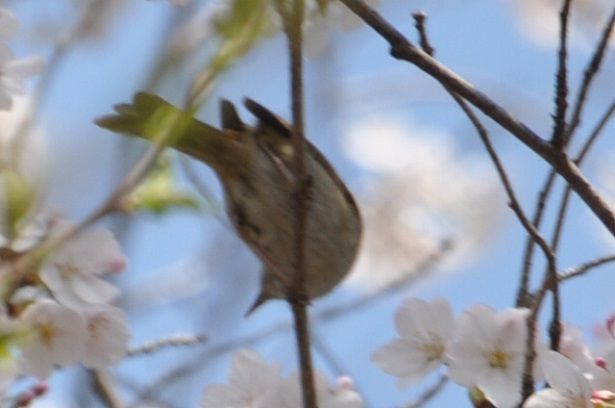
<point>58,311</point>
<point>255,383</point>
<point>55,307</point>
<point>485,350</point>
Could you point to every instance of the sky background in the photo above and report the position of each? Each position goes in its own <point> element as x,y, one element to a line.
<point>187,273</point>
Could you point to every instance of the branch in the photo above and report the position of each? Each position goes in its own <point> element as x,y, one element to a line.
<point>103,384</point>
<point>590,72</point>
<point>171,341</point>
<point>292,15</point>
<point>585,268</point>
<point>561,87</point>
<point>402,49</point>
<point>419,19</point>
<point>429,393</point>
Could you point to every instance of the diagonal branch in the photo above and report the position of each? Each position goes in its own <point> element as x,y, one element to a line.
<point>590,72</point>
<point>403,49</point>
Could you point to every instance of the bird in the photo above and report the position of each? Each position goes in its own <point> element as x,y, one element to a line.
<point>254,165</point>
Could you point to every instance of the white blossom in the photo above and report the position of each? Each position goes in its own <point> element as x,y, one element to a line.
<point>572,346</point>
<point>253,383</point>
<point>107,336</point>
<point>488,351</point>
<point>425,331</point>
<point>288,394</point>
<point>57,337</point>
<point>250,381</point>
<point>71,273</point>
<point>569,388</point>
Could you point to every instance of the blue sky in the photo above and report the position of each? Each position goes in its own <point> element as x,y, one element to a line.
<point>479,39</point>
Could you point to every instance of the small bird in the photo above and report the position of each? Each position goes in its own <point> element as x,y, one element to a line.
<point>255,167</point>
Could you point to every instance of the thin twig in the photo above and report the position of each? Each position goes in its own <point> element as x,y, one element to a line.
<point>425,268</point>
<point>604,120</point>
<point>565,200</point>
<point>27,263</point>
<point>429,393</point>
<point>50,70</point>
<point>590,72</point>
<point>484,136</point>
<point>322,315</point>
<point>584,268</point>
<point>170,341</point>
<point>561,87</point>
<point>403,49</point>
<point>528,380</point>
<point>523,292</point>
<point>105,389</point>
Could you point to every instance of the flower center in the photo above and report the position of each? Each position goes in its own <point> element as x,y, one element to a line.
<point>498,359</point>
<point>46,331</point>
<point>433,350</point>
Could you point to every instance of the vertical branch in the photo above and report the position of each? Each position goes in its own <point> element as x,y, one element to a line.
<point>523,293</point>
<point>293,16</point>
<point>561,87</point>
<point>550,279</point>
<point>590,72</point>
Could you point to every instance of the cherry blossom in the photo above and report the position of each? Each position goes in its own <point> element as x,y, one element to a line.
<point>251,380</point>
<point>425,331</point>
<point>289,394</point>
<point>569,388</point>
<point>57,337</point>
<point>71,273</point>
<point>488,352</point>
<point>107,336</point>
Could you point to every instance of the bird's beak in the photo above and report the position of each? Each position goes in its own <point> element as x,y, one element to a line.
<point>262,298</point>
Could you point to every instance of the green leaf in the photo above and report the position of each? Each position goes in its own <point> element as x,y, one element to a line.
<point>158,193</point>
<point>239,31</point>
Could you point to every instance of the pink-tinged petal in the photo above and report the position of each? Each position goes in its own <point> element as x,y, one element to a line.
<point>443,314</point>
<point>108,336</point>
<point>502,387</point>
<point>548,398</point>
<point>251,373</point>
<point>406,317</point>
<point>401,359</point>
<point>564,376</point>
<point>513,330</point>
<point>222,395</point>
<point>477,323</point>
<point>91,289</point>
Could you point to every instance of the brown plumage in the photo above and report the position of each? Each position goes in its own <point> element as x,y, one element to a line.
<point>254,165</point>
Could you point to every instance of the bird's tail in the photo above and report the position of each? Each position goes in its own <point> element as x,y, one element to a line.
<point>152,118</point>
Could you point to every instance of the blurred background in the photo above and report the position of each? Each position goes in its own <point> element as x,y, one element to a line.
<point>435,213</point>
